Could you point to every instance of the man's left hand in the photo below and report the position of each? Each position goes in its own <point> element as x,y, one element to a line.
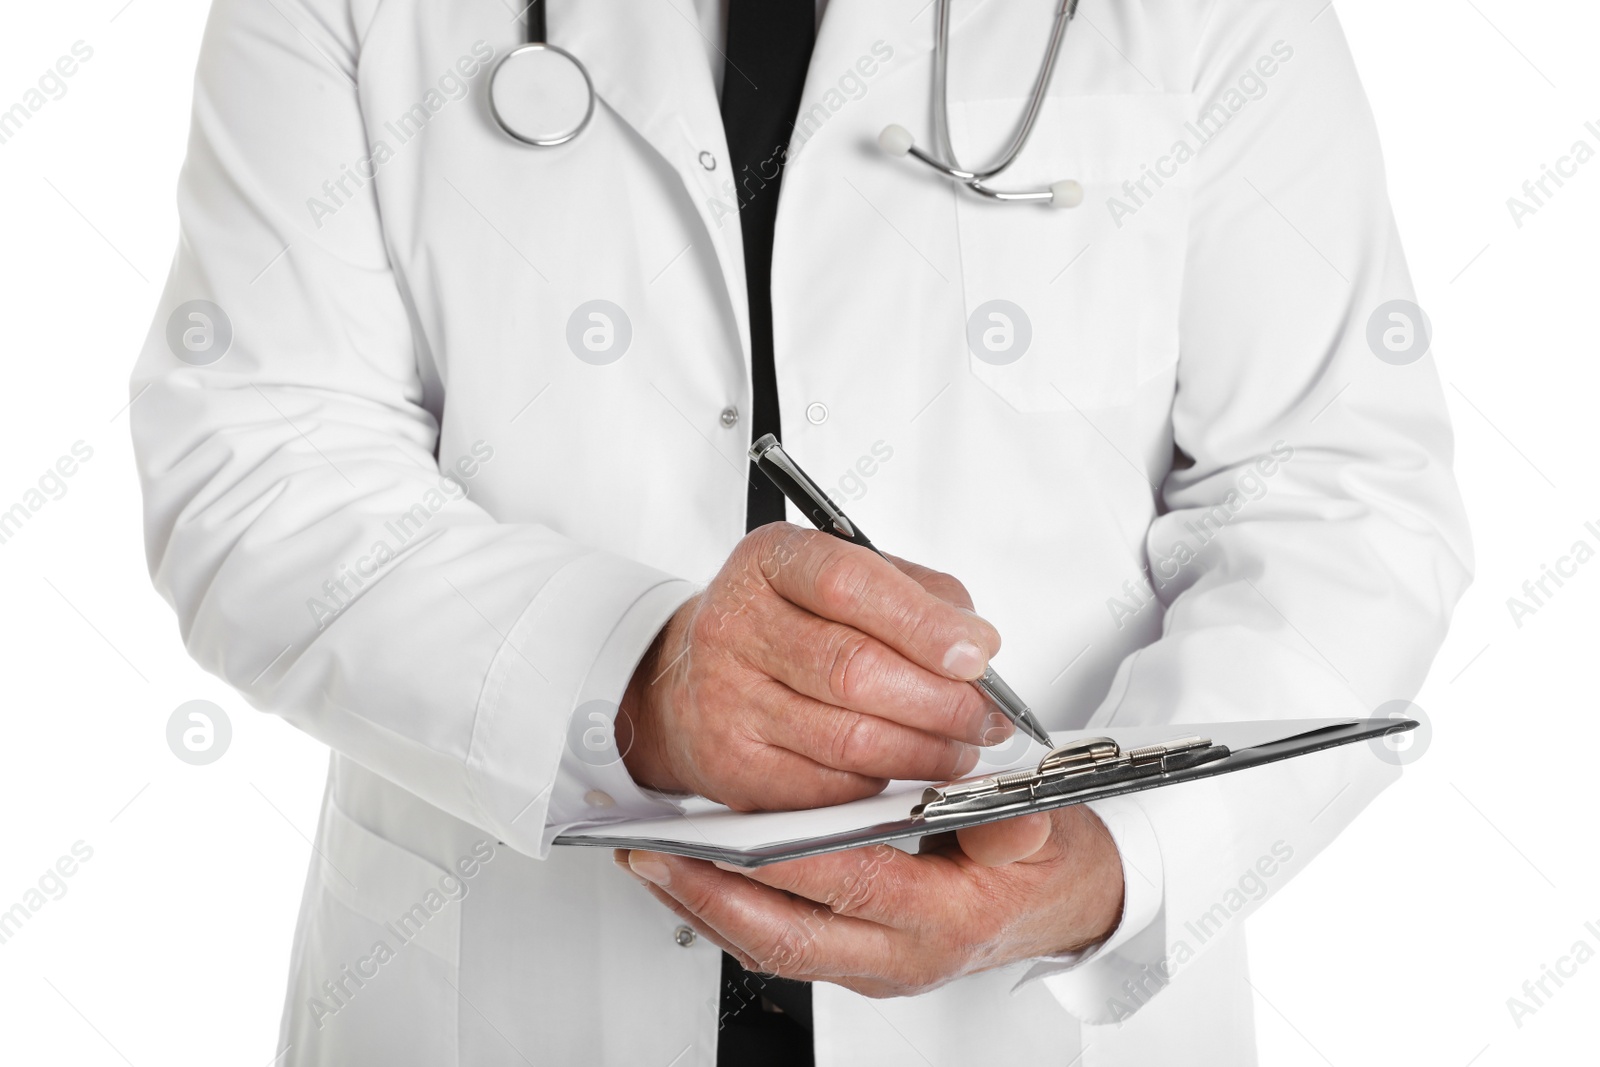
<point>885,923</point>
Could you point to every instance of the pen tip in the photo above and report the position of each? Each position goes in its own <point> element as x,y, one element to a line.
<point>1039,733</point>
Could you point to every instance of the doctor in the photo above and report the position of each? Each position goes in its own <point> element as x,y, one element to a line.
<point>442,439</point>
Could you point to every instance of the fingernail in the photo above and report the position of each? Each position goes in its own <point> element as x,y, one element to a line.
<point>969,760</point>
<point>996,728</point>
<point>653,871</point>
<point>965,660</point>
<point>721,866</point>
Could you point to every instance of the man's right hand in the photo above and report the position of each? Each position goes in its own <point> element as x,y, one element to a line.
<point>810,672</point>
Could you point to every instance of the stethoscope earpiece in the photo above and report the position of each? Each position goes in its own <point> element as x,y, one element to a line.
<point>896,140</point>
<point>1066,193</point>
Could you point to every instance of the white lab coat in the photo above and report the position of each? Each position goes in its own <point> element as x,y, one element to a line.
<point>413,314</point>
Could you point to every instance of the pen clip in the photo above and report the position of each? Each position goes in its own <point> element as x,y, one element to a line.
<point>766,449</point>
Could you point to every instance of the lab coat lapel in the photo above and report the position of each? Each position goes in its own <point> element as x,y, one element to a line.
<point>904,24</point>
<point>853,32</point>
<point>851,27</point>
<point>857,32</point>
<point>647,61</point>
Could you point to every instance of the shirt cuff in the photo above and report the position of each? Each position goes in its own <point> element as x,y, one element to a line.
<point>592,784</point>
<point>1142,895</point>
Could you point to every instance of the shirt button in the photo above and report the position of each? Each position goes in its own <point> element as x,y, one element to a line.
<point>817,414</point>
<point>708,161</point>
<point>730,417</point>
<point>596,799</point>
<point>684,936</point>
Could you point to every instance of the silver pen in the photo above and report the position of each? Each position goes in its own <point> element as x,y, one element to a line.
<point>768,455</point>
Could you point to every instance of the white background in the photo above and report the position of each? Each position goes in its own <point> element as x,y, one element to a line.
<point>1399,945</point>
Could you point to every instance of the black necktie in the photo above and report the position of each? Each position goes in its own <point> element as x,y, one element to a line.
<point>768,50</point>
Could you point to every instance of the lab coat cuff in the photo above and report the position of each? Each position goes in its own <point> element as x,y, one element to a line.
<point>567,655</point>
<point>592,783</point>
<point>1142,897</point>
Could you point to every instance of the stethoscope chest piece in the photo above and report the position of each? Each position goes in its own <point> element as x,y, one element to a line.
<point>541,95</point>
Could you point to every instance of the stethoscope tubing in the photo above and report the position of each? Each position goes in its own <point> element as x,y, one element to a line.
<point>945,161</point>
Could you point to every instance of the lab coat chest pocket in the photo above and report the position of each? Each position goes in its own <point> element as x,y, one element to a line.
<point>377,961</point>
<point>1075,307</point>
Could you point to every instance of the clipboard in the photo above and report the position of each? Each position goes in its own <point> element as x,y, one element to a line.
<point>1088,766</point>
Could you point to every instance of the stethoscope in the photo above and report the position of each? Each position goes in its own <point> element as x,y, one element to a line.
<point>897,140</point>
<point>542,96</point>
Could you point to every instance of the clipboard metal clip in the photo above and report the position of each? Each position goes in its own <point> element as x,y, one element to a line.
<point>1083,765</point>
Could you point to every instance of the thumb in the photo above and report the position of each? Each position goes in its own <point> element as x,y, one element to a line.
<point>997,843</point>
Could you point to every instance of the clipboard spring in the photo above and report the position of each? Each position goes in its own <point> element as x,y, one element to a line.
<point>1083,765</point>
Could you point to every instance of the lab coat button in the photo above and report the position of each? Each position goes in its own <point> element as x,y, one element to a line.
<point>730,417</point>
<point>684,936</point>
<point>708,161</point>
<point>596,799</point>
<point>817,414</point>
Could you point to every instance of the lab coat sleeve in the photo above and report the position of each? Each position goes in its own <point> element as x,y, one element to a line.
<point>320,558</point>
<point>1312,543</point>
